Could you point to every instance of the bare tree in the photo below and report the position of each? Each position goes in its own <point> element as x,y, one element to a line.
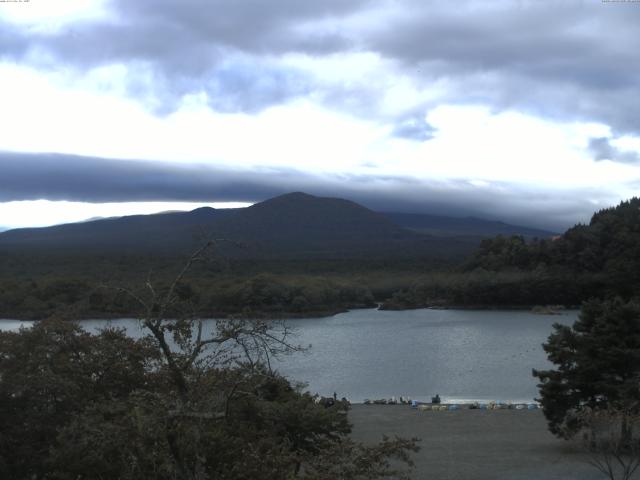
<point>191,349</point>
<point>217,388</point>
<point>612,439</point>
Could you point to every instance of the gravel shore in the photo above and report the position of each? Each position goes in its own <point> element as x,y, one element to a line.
<point>476,444</point>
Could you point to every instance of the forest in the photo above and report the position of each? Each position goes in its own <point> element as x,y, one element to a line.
<point>596,260</point>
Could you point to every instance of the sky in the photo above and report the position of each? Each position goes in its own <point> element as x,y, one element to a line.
<point>523,111</point>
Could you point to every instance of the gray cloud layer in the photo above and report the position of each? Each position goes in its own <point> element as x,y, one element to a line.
<point>602,149</point>
<point>85,179</point>
<point>566,60</point>
<point>569,59</point>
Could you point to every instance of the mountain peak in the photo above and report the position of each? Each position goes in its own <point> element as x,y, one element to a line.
<point>302,199</point>
<point>295,195</point>
<point>291,197</point>
<point>200,210</point>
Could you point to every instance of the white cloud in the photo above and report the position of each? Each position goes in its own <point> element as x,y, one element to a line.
<point>41,213</point>
<point>626,143</point>
<point>92,118</point>
<point>508,146</point>
<point>46,117</point>
<point>51,15</point>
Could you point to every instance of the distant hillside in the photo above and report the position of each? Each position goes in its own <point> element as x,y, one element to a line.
<point>468,226</point>
<point>597,260</point>
<point>289,226</point>
<point>608,248</point>
<point>611,239</point>
<point>131,234</point>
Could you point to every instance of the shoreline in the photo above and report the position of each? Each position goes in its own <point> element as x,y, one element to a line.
<point>543,309</point>
<point>461,403</point>
<point>256,315</point>
<point>320,314</point>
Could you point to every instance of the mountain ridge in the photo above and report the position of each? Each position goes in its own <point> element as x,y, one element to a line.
<point>442,224</point>
<point>291,225</point>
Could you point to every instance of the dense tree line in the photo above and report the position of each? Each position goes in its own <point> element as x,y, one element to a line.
<point>484,289</point>
<point>609,245</point>
<point>259,295</point>
<point>35,287</point>
<point>598,260</point>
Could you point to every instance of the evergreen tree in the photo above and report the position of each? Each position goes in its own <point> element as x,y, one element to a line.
<point>597,364</point>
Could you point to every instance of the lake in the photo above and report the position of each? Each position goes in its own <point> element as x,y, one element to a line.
<point>462,355</point>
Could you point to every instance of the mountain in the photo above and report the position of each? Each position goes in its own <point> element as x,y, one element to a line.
<point>302,223</point>
<point>468,226</point>
<point>131,234</point>
<point>292,225</point>
<point>295,225</point>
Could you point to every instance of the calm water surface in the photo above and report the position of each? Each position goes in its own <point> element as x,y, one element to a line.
<point>460,354</point>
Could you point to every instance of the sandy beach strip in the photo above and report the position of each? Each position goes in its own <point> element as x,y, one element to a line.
<point>476,444</point>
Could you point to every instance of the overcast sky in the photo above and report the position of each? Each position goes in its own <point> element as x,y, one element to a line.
<point>523,111</point>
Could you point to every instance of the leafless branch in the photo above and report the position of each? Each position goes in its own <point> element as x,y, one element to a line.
<point>612,440</point>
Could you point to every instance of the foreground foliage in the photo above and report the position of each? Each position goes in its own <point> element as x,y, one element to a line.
<point>185,401</point>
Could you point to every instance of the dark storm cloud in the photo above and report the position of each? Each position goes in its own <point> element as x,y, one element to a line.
<point>96,180</point>
<point>602,149</point>
<point>86,179</point>
<point>191,35</point>
<point>568,60</point>
<point>245,25</point>
<point>222,48</point>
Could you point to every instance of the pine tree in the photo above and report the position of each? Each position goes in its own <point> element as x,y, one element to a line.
<point>597,364</point>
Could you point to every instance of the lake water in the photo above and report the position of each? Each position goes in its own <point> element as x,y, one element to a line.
<point>463,355</point>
